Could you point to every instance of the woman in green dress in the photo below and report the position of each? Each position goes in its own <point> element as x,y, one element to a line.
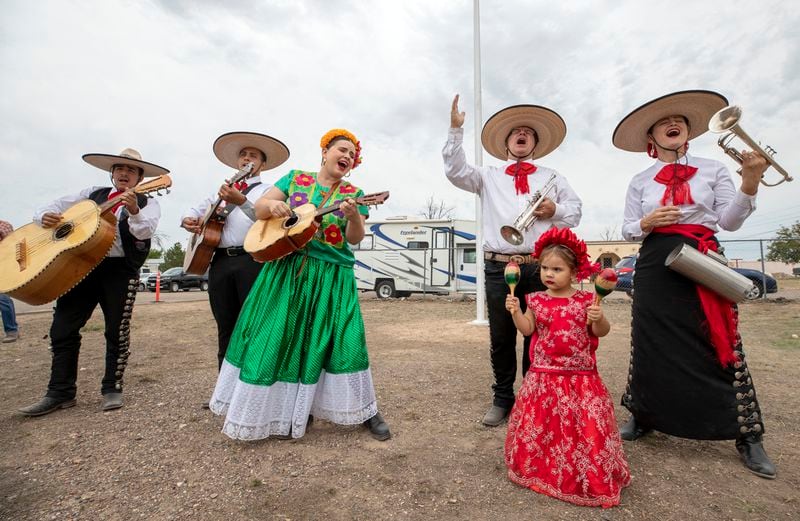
<point>299,349</point>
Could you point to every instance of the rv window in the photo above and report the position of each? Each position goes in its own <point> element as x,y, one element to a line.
<point>417,245</point>
<point>469,256</point>
<point>365,244</point>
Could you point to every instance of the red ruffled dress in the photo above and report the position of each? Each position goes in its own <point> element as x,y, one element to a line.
<point>562,437</point>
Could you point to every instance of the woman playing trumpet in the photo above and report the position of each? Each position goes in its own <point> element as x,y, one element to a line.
<point>688,375</point>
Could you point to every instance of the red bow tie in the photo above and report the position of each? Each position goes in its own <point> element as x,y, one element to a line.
<point>521,171</point>
<point>240,185</point>
<point>112,195</point>
<point>676,178</point>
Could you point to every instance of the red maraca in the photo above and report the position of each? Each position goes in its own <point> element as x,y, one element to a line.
<point>604,284</point>
<point>511,274</point>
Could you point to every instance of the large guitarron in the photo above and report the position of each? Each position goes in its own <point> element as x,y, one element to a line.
<point>38,265</point>
<point>201,245</point>
<point>271,239</point>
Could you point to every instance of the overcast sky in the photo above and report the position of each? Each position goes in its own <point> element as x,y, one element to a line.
<point>168,77</point>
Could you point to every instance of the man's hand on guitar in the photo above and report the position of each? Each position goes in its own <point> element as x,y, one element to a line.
<point>130,202</point>
<point>231,195</point>
<point>349,208</point>
<point>51,219</point>
<point>191,224</point>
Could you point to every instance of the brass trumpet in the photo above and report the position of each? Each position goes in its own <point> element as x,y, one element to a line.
<point>727,120</point>
<point>514,233</point>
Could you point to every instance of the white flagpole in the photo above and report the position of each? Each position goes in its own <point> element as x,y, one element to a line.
<point>480,289</point>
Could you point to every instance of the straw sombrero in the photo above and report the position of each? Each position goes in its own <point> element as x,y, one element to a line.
<point>228,146</point>
<point>128,156</point>
<point>548,125</point>
<point>697,106</point>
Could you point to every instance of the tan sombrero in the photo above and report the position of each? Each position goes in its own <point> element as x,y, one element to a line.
<point>228,146</point>
<point>548,125</point>
<point>128,156</point>
<point>697,106</point>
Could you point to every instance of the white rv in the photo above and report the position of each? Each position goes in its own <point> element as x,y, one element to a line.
<point>400,256</point>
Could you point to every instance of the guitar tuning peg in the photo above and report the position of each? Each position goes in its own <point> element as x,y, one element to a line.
<point>168,190</point>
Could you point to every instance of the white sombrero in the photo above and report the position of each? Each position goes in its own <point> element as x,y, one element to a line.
<point>228,146</point>
<point>697,106</point>
<point>128,156</point>
<point>549,127</point>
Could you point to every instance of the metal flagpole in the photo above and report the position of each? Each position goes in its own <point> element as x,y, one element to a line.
<point>480,289</point>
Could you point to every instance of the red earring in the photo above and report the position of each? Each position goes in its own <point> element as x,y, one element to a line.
<point>652,151</point>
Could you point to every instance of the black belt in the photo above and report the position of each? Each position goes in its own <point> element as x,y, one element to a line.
<point>503,257</point>
<point>231,251</point>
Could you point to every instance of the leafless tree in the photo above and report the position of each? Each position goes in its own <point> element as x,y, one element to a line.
<point>437,209</point>
<point>610,233</point>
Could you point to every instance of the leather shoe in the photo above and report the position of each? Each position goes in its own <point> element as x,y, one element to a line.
<point>378,427</point>
<point>112,401</point>
<point>11,336</point>
<point>632,430</point>
<point>494,416</point>
<point>755,458</point>
<point>47,405</point>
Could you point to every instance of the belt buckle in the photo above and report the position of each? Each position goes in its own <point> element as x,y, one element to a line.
<point>230,251</point>
<point>519,259</point>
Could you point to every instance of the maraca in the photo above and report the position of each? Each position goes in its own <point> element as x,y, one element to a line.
<point>604,284</point>
<point>511,274</point>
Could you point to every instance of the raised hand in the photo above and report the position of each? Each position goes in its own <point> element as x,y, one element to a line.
<point>456,117</point>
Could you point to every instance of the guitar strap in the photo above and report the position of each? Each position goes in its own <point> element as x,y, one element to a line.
<point>231,207</point>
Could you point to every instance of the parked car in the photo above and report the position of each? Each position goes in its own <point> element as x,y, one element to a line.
<point>143,280</point>
<point>175,279</point>
<point>626,268</point>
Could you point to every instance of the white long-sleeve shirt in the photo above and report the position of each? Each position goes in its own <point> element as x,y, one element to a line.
<point>500,203</point>
<point>142,225</point>
<point>717,203</point>
<point>239,221</point>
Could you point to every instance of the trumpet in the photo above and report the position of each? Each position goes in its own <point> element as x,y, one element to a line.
<point>727,120</point>
<point>515,233</point>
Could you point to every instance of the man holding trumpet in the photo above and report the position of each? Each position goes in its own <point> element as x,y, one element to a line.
<point>516,135</point>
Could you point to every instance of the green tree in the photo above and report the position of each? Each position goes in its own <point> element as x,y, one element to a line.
<point>172,257</point>
<point>787,247</point>
<point>155,253</point>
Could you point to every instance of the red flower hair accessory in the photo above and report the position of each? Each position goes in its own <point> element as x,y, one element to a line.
<point>585,268</point>
<point>336,132</point>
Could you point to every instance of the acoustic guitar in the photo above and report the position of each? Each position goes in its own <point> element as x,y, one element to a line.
<point>271,239</point>
<point>201,245</point>
<point>38,265</point>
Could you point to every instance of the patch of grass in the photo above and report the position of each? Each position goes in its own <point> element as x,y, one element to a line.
<point>255,483</point>
<point>95,326</point>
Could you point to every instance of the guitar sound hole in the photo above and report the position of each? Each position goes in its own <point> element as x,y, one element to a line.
<point>291,221</point>
<point>63,230</point>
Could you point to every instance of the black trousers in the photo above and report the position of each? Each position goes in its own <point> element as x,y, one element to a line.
<point>112,284</point>
<point>503,332</point>
<point>229,281</point>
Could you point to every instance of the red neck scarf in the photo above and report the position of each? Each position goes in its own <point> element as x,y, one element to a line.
<point>676,177</point>
<point>521,171</point>
<point>112,195</point>
<point>718,310</point>
<point>240,185</point>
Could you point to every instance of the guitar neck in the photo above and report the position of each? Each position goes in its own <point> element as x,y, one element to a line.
<point>367,200</point>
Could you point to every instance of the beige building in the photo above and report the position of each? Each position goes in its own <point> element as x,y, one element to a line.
<point>608,253</point>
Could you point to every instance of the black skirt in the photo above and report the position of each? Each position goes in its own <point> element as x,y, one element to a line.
<point>676,383</point>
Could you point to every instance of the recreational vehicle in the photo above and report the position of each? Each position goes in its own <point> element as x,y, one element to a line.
<point>401,256</point>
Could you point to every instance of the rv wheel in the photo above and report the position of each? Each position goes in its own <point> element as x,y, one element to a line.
<point>385,289</point>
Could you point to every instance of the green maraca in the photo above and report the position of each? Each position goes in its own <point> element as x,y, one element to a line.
<point>511,275</point>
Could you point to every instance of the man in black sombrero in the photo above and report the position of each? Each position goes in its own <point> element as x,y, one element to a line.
<point>516,135</point>
<point>112,284</point>
<point>233,270</point>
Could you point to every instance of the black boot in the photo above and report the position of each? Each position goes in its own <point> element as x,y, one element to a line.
<point>755,458</point>
<point>632,430</point>
<point>378,428</point>
<point>47,405</point>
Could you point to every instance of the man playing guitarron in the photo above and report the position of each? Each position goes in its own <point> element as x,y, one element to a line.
<point>232,270</point>
<point>112,284</point>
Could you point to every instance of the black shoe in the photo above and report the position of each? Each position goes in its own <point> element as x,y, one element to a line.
<point>378,428</point>
<point>47,405</point>
<point>494,416</point>
<point>632,431</point>
<point>755,458</point>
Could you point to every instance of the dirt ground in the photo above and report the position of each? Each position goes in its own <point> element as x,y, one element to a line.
<point>163,457</point>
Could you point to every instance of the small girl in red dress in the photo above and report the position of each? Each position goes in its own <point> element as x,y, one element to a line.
<point>562,437</point>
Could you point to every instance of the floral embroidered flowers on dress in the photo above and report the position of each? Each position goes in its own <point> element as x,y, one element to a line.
<point>297,199</point>
<point>304,180</point>
<point>333,235</point>
<point>347,189</point>
<point>329,135</point>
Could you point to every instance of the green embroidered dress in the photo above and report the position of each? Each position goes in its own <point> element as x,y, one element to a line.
<point>299,346</point>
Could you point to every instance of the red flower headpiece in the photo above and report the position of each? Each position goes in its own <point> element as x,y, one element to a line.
<point>565,237</point>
